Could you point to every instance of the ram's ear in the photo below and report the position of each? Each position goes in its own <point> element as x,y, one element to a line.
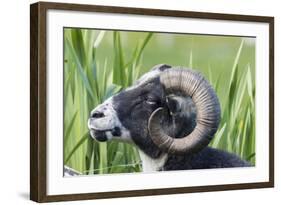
<point>161,67</point>
<point>175,104</point>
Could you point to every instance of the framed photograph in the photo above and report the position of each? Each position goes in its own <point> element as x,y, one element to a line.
<point>135,102</point>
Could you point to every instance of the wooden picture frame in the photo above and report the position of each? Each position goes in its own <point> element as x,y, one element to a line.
<point>39,100</point>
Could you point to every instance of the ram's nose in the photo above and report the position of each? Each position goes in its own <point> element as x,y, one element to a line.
<point>97,114</point>
<point>103,117</point>
<point>100,120</point>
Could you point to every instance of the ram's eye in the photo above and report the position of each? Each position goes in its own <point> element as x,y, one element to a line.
<point>151,101</point>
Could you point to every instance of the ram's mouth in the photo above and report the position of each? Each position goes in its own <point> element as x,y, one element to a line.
<point>99,131</point>
<point>102,131</point>
<point>99,135</point>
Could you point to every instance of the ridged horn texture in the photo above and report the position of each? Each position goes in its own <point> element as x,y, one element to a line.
<point>187,82</point>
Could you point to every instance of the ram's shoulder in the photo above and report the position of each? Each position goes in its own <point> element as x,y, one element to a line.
<point>205,159</point>
<point>220,158</point>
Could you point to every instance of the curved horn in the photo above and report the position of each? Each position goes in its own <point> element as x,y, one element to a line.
<point>189,83</point>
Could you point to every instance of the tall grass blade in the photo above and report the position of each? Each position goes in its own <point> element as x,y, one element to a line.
<point>142,47</point>
<point>78,45</point>
<point>76,147</point>
<point>103,158</point>
<point>190,65</point>
<point>99,39</point>
<point>118,68</point>
<point>69,128</point>
<point>80,69</point>
<point>250,85</point>
<point>235,63</point>
<point>219,135</point>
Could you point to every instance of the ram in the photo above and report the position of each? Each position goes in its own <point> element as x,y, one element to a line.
<point>170,114</point>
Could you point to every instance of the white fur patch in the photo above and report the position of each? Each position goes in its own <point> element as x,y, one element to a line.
<point>152,165</point>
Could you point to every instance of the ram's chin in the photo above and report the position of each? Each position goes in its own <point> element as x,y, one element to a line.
<point>99,136</point>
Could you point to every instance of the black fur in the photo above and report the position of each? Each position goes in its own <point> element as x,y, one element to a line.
<point>133,110</point>
<point>205,159</point>
<point>116,132</point>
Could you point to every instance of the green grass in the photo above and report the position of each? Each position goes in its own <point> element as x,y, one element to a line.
<point>98,64</point>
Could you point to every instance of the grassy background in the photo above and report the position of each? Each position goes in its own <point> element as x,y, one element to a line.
<point>98,64</point>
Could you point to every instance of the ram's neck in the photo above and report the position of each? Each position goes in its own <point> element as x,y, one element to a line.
<point>150,164</point>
